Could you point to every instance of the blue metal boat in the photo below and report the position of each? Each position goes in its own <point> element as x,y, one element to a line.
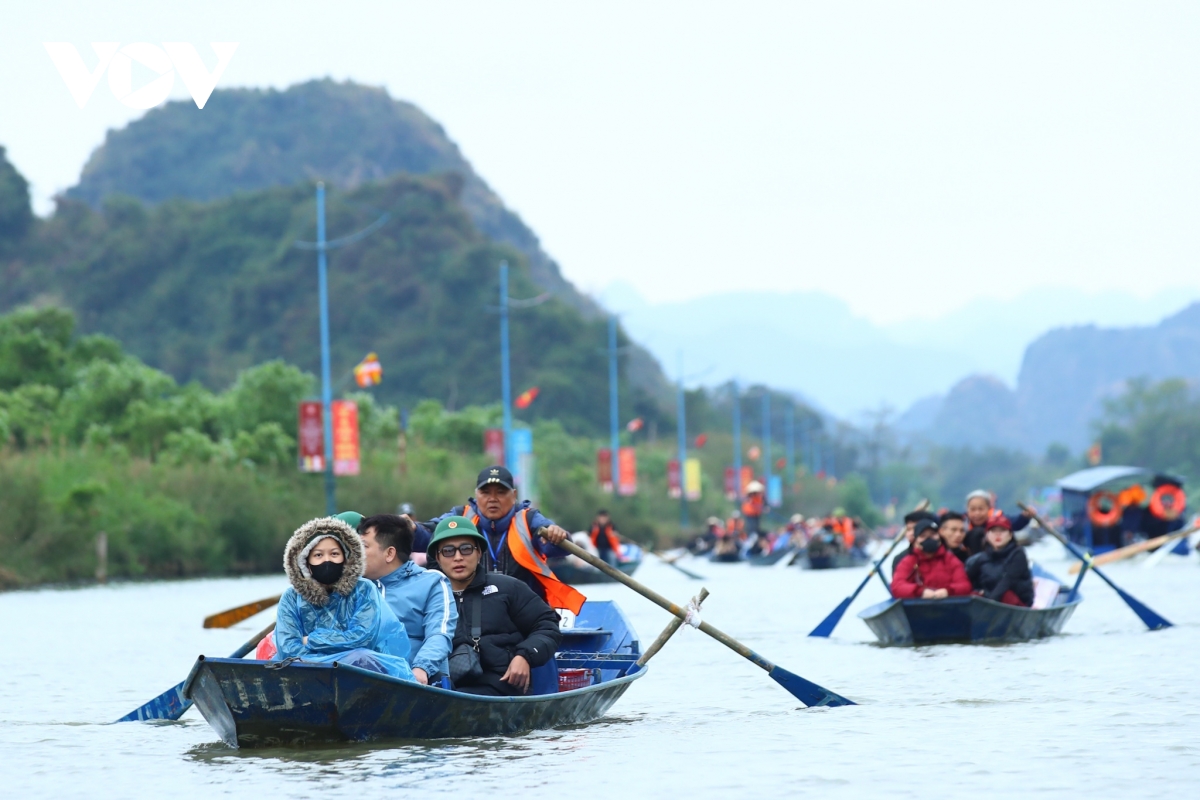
<point>263,703</point>
<point>838,560</point>
<point>969,620</point>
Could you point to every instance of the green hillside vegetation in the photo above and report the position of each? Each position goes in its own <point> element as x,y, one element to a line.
<point>205,290</point>
<point>185,481</point>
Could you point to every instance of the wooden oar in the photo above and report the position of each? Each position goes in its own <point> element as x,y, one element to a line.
<point>826,626</point>
<point>1152,620</point>
<point>803,690</point>
<point>1155,558</point>
<point>171,704</point>
<point>227,619</point>
<point>671,562</point>
<point>1122,553</point>
<point>669,631</point>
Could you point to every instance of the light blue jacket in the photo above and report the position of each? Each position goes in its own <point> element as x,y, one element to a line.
<point>358,621</point>
<point>424,603</point>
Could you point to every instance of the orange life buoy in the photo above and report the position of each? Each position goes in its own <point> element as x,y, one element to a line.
<point>1168,510</point>
<point>1101,518</point>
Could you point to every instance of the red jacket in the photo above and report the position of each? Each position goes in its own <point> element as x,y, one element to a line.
<point>918,572</point>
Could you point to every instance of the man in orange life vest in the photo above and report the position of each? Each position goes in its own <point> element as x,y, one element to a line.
<point>513,547</point>
<point>605,538</point>
<point>752,508</point>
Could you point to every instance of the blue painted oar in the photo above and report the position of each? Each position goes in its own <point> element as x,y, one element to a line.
<point>830,622</point>
<point>1153,621</point>
<point>803,690</point>
<point>171,704</point>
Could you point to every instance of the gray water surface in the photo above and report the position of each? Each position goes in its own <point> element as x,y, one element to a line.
<point>1106,710</point>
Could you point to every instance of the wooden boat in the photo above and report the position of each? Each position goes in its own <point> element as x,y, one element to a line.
<point>264,703</point>
<point>834,560</point>
<point>574,571</point>
<point>772,558</point>
<point>968,620</point>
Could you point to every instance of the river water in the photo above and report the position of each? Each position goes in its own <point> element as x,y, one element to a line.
<point>1106,710</point>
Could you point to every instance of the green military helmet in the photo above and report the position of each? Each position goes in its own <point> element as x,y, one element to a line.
<point>351,518</point>
<point>449,528</point>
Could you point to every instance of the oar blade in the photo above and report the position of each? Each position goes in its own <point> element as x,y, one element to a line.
<point>1153,621</point>
<point>806,691</point>
<point>231,617</point>
<point>825,628</point>
<point>170,705</point>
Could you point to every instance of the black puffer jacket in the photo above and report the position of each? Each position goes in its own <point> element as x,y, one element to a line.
<point>995,572</point>
<point>514,621</point>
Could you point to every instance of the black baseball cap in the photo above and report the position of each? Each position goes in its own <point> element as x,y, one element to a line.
<point>495,474</point>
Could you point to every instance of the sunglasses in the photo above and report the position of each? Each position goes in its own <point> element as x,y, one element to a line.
<point>448,550</point>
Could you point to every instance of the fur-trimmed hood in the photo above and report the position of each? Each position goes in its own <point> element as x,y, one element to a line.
<point>308,587</point>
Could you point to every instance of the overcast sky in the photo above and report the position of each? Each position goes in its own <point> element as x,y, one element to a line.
<point>906,157</point>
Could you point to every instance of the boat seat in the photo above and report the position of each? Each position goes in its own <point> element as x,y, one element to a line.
<point>603,661</point>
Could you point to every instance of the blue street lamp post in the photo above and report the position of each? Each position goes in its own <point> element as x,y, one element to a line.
<point>737,444</point>
<point>326,383</point>
<point>682,412</point>
<point>790,430</point>
<point>505,380</point>
<point>766,435</point>
<point>612,392</point>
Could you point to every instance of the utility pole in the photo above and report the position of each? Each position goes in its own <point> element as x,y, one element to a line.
<point>790,431</point>
<point>505,380</point>
<point>766,434</point>
<point>737,444</point>
<point>326,382</point>
<point>612,394</point>
<point>682,414</point>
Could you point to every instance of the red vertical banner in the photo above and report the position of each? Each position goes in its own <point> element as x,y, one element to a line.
<point>311,437</point>
<point>626,471</point>
<point>674,479</point>
<point>604,469</point>
<point>730,484</point>
<point>747,476</point>
<point>493,444</point>
<point>345,437</point>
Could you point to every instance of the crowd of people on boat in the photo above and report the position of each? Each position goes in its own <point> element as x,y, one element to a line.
<point>956,555</point>
<point>482,612</point>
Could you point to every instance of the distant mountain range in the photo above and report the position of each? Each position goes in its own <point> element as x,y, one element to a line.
<point>811,343</point>
<point>1065,376</point>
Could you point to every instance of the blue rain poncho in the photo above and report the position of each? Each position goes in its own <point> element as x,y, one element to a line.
<point>350,624</point>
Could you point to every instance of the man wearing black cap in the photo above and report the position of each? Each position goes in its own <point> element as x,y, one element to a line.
<point>513,546</point>
<point>910,521</point>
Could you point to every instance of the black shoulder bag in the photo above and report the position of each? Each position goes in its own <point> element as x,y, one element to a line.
<point>464,661</point>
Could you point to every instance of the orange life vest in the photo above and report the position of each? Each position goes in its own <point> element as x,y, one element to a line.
<point>520,544</point>
<point>753,507</point>
<point>614,543</point>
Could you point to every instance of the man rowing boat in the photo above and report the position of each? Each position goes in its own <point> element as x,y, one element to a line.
<point>512,546</point>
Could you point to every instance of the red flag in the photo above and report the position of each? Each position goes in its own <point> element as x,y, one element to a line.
<point>701,440</point>
<point>526,398</point>
<point>780,463</point>
<point>634,425</point>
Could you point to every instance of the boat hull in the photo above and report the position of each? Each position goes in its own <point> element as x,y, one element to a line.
<point>255,704</point>
<point>771,558</point>
<point>273,703</point>
<point>833,561</point>
<point>967,620</point>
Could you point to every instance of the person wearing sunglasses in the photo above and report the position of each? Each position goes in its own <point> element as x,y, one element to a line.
<point>929,571</point>
<point>511,543</point>
<point>509,628</point>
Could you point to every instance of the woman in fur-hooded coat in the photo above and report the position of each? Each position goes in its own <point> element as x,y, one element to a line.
<point>345,620</point>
